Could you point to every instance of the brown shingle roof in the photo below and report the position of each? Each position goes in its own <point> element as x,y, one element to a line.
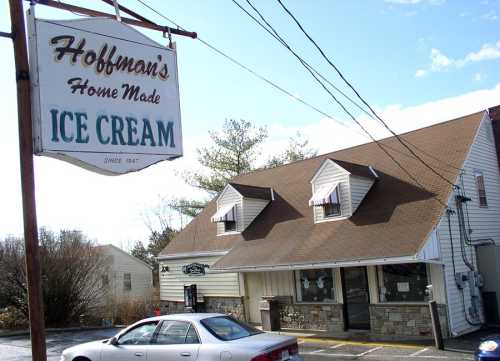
<point>355,169</point>
<point>253,191</point>
<point>393,220</point>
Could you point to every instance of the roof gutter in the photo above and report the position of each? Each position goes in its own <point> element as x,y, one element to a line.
<point>352,263</point>
<point>191,255</point>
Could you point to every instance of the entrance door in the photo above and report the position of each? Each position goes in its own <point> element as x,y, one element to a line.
<point>253,282</point>
<point>356,298</point>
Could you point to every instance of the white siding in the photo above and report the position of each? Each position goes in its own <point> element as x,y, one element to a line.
<point>230,195</point>
<point>278,283</point>
<point>121,263</point>
<point>329,174</point>
<point>251,209</point>
<point>216,284</point>
<point>359,188</point>
<point>484,221</point>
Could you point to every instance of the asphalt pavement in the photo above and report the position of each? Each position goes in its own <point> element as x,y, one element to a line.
<point>17,348</point>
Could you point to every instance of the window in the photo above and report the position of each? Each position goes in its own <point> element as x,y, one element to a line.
<point>481,190</point>
<point>403,282</point>
<point>127,282</point>
<point>332,208</point>
<point>230,226</point>
<point>315,285</point>
<point>175,333</point>
<point>105,280</point>
<point>140,335</point>
<point>228,329</point>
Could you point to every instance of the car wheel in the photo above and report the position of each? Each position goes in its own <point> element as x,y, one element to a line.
<point>80,358</point>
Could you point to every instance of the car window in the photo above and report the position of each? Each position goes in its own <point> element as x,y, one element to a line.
<point>140,335</point>
<point>227,328</point>
<point>173,333</point>
<point>192,336</point>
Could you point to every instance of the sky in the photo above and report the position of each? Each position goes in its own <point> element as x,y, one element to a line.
<point>417,62</point>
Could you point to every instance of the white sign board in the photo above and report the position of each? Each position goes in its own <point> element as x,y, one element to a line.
<point>105,96</point>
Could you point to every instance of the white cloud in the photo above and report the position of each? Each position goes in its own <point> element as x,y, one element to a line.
<point>420,73</point>
<point>440,61</point>
<point>490,16</point>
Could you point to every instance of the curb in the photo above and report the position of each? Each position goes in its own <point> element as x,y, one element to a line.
<point>54,330</point>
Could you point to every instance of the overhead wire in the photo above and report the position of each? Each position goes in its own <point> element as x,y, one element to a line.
<point>251,71</point>
<point>276,35</point>
<point>360,97</point>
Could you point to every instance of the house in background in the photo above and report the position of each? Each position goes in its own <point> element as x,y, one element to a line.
<point>127,278</point>
<point>351,240</point>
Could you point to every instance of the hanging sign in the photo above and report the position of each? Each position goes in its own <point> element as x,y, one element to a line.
<point>195,269</point>
<point>105,96</point>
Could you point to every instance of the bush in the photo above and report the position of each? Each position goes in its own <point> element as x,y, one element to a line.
<point>130,311</point>
<point>12,319</point>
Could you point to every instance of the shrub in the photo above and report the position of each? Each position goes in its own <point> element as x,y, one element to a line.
<point>12,319</point>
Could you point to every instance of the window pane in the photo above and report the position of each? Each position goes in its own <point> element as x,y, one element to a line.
<point>332,209</point>
<point>172,333</point>
<point>404,283</point>
<point>140,335</point>
<point>127,281</point>
<point>192,336</point>
<point>315,285</point>
<point>227,328</point>
<point>229,226</point>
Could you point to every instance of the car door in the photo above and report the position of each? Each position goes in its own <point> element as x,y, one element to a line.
<point>132,345</point>
<point>174,341</point>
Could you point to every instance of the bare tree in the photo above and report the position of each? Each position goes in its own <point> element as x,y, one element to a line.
<point>72,270</point>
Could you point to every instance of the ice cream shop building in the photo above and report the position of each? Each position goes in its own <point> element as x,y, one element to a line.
<point>351,241</point>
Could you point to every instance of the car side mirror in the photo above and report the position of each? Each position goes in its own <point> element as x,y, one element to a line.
<point>113,341</point>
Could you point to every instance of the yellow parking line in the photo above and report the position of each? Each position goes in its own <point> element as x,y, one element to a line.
<point>360,343</point>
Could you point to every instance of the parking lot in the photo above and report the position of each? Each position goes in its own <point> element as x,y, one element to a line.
<point>17,348</point>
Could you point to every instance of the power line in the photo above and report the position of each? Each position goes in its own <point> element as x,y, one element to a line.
<point>251,71</point>
<point>276,35</point>
<point>359,96</point>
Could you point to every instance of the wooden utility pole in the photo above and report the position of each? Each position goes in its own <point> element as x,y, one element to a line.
<point>33,274</point>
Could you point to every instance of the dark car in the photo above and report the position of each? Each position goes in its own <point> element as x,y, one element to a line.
<point>489,349</point>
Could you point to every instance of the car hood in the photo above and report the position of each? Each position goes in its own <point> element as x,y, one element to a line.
<point>264,341</point>
<point>83,348</point>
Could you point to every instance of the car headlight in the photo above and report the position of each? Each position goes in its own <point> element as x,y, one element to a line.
<point>488,346</point>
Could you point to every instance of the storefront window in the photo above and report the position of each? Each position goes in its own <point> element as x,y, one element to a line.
<point>315,285</point>
<point>403,282</point>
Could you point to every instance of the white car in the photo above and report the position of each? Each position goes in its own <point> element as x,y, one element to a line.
<point>188,337</point>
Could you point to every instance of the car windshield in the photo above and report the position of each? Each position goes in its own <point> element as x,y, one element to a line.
<point>227,328</point>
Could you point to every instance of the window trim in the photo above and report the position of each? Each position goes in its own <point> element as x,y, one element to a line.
<point>296,279</point>
<point>191,325</point>
<point>479,180</point>
<point>380,283</point>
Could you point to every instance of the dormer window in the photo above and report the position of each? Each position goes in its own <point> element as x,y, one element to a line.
<point>229,226</point>
<point>332,208</point>
<point>327,197</point>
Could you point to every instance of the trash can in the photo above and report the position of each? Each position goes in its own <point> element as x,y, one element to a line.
<point>270,314</point>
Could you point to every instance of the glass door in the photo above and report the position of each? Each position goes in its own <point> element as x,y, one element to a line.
<point>356,298</point>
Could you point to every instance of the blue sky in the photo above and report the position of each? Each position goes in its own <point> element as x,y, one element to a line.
<point>417,61</point>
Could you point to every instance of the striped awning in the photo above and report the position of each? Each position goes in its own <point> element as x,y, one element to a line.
<point>324,195</point>
<point>225,213</point>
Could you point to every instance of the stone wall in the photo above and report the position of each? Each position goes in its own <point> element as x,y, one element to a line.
<point>405,320</point>
<point>327,317</point>
<point>233,306</point>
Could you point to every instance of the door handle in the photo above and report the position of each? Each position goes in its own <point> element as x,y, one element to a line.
<point>139,354</point>
<point>185,354</point>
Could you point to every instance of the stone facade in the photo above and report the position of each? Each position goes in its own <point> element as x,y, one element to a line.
<point>327,317</point>
<point>405,321</point>
<point>233,306</point>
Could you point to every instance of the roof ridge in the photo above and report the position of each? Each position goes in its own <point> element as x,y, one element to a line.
<point>263,169</point>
